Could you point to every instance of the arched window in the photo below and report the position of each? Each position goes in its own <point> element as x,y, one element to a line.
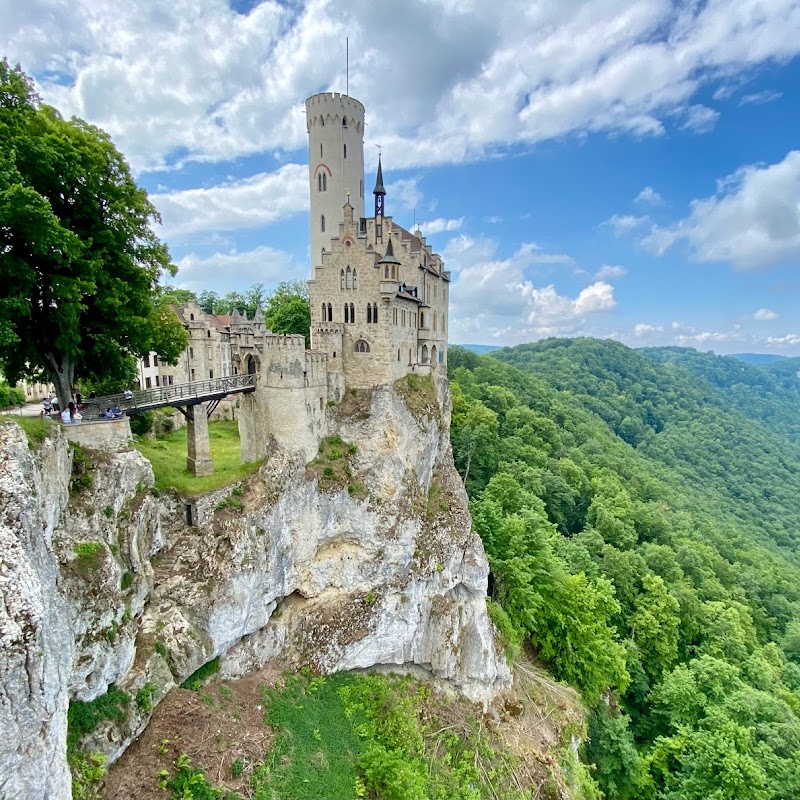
<point>393,272</point>
<point>424,354</point>
<point>346,313</point>
<point>322,223</point>
<point>191,316</point>
<point>330,313</point>
<point>320,149</point>
<point>324,315</point>
<point>345,150</point>
<point>208,334</point>
<point>322,122</point>
<point>348,278</point>
<point>324,182</point>
<point>344,122</point>
<point>319,182</point>
<point>355,285</point>
<point>369,313</point>
<point>361,346</point>
<point>433,354</point>
<point>352,313</point>
<point>375,312</point>
<point>341,279</point>
<point>441,355</point>
<point>386,272</point>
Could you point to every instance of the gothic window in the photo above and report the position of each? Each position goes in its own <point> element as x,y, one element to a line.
<point>322,122</point>
<point>330,313</point>
<point>341,279</point>
<point>319,182</point>
<point>191,316</point>
<point>320,149</point>
<point>441,355</point>
<point>386,272</point>
<point>424,354</point>
<point>355,286</point>
<point>324,182</point>
<point>393,273</point>
<point>345,150</point>
<point>422,319</point>
<point>322,223</point>
<point>375,312</point>
<point>346,313</point>
<point>369,313</point>
<point>349,278</point>
<point>324,317</point>
<point>361,346</point>
<point>433,354</point>
<point>352,313</point>
<point>344,122</point>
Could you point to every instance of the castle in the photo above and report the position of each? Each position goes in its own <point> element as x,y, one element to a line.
<point>378,295</point>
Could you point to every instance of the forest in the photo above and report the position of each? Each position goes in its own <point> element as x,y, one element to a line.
<point>641,513</point>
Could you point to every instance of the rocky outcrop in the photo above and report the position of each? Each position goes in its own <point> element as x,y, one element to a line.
<point>362,559</point>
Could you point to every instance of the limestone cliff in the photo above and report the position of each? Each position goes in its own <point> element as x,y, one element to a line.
<point>363,558</point>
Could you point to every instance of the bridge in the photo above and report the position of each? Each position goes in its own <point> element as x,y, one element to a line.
<point>186,397</point>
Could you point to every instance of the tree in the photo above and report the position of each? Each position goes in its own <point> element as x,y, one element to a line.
<point>80,264</point>
<point>287,309</point>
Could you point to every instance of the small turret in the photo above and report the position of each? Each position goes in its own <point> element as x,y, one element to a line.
<point>380,194</point>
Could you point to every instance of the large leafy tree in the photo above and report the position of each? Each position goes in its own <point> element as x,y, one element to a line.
<point>79,263</point>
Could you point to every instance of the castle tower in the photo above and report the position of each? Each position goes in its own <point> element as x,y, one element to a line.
<point>335,124</point>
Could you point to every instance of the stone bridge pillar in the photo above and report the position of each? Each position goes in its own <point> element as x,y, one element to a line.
<point>198,458</point>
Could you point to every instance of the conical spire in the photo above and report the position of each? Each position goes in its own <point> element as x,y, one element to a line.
<point>379,179</point>
<point>389,257</point>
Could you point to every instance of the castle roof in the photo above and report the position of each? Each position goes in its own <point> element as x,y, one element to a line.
<point>379,189</point>
<point>389,257</point>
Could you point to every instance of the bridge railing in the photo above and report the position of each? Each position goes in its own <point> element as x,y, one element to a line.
<point>177,394</point>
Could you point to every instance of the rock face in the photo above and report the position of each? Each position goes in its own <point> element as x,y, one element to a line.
<point>361,559</point>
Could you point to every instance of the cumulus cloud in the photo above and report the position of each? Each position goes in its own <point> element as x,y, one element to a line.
<point>752,221</point>
<point>440,225</point>
<point>643,329</point>
<point>235,271</point>
<point>260,200</point>
<point>624,223</point>
<point>791,339</point>
<point>198,80</point>
<point>610,272</point>
<point>765,315</point>
<point>649,196</point>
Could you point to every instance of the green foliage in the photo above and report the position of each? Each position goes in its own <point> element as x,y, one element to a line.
<point>287,310</point>
<point>82,466</point>
<point>145,696</point>
<point>36,428</point>
<point>642,518</point>
<point>142,423</point>
<point>10,396</point>
<point>87,771</point>
<point>83,718</point>
<point>189,783</point>
<point>80,259</point>
<point>196,680</point>
<point>332,467</point>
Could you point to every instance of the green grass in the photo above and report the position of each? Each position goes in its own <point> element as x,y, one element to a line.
<point>36,428</point>
<point>167,454</point>
<point>196,680</point>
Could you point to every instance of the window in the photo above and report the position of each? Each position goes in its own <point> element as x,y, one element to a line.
<point>398,355</point>
<point>404,318</point>
<point>409,356</point>
<point>324,318</point>
<point>361,346</point>
<point>386,272</point>
<point>147,360</point>
<point>158,381</point>
<point>346,313</point>
<point>348,278</point>
<point>211,374</point>
<point>191,352</point>
<point>441,355</point>
<point>394,317</point>
<point>424,354</point>
<point>345,150</point>
<point>148,383</point>
<point>330,313</point>
<point>375,313</point>
<point>171,380</point>
<point>320,149</point>
<point>354,273</point>
<point>433,354</point>
<point>393,273</point>
<point>434,320</point>
<point>341,279</point>
<point>352,313</point>
<point>191,317</point>
<point>192,374</point>
<point>344,122</point>
<point>369,313</point>
<point>322,223</point>
<point>208,335</point>
<point>422,319</point>
<point>319,182</point>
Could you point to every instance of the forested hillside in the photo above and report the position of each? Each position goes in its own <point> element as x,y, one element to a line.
<point>641,511</point>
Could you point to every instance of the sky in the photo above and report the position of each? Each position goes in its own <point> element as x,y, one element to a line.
<point>612,168</point>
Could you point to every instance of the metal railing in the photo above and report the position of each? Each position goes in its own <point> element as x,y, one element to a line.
<point>178,394</point>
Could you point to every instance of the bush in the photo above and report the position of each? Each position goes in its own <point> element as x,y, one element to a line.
<point>142,423</point>
<point>10,396</point>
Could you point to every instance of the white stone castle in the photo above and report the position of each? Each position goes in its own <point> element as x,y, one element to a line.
<point>378,294</point>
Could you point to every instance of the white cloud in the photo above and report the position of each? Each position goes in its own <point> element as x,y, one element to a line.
<point>759,98</point>
<point>649,196</point>
<point>260,200</point>
<point>624,223</point>
<point>610,272</point>
<point>404,194</point>
<point>439,225</point>
<point>232,271</point>
<point>197,80</point>
<point>791,339</point>
<point>643,329</point>
<point>752,221</point>
<point>700,119</point>
<point>765,315</point>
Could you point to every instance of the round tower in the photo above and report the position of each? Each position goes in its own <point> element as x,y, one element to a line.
<point>335,124</point>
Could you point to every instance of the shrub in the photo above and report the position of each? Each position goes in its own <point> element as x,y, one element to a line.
<point>201,675</point>
<point>10,396</point>
<point>142,423</point>
<point>145,696</point>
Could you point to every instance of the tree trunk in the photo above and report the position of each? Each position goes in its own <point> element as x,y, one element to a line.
<point>61,377</point>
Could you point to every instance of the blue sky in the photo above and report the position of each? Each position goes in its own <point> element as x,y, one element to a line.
<point>609,168</point>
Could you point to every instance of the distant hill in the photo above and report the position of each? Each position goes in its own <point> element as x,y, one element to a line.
<point>757,358</point>
<point>481,349</point>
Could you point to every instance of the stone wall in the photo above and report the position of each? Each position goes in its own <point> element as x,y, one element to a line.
<point>111,435</point>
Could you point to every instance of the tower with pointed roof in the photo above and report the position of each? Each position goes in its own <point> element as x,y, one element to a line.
<point>379,295</point>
